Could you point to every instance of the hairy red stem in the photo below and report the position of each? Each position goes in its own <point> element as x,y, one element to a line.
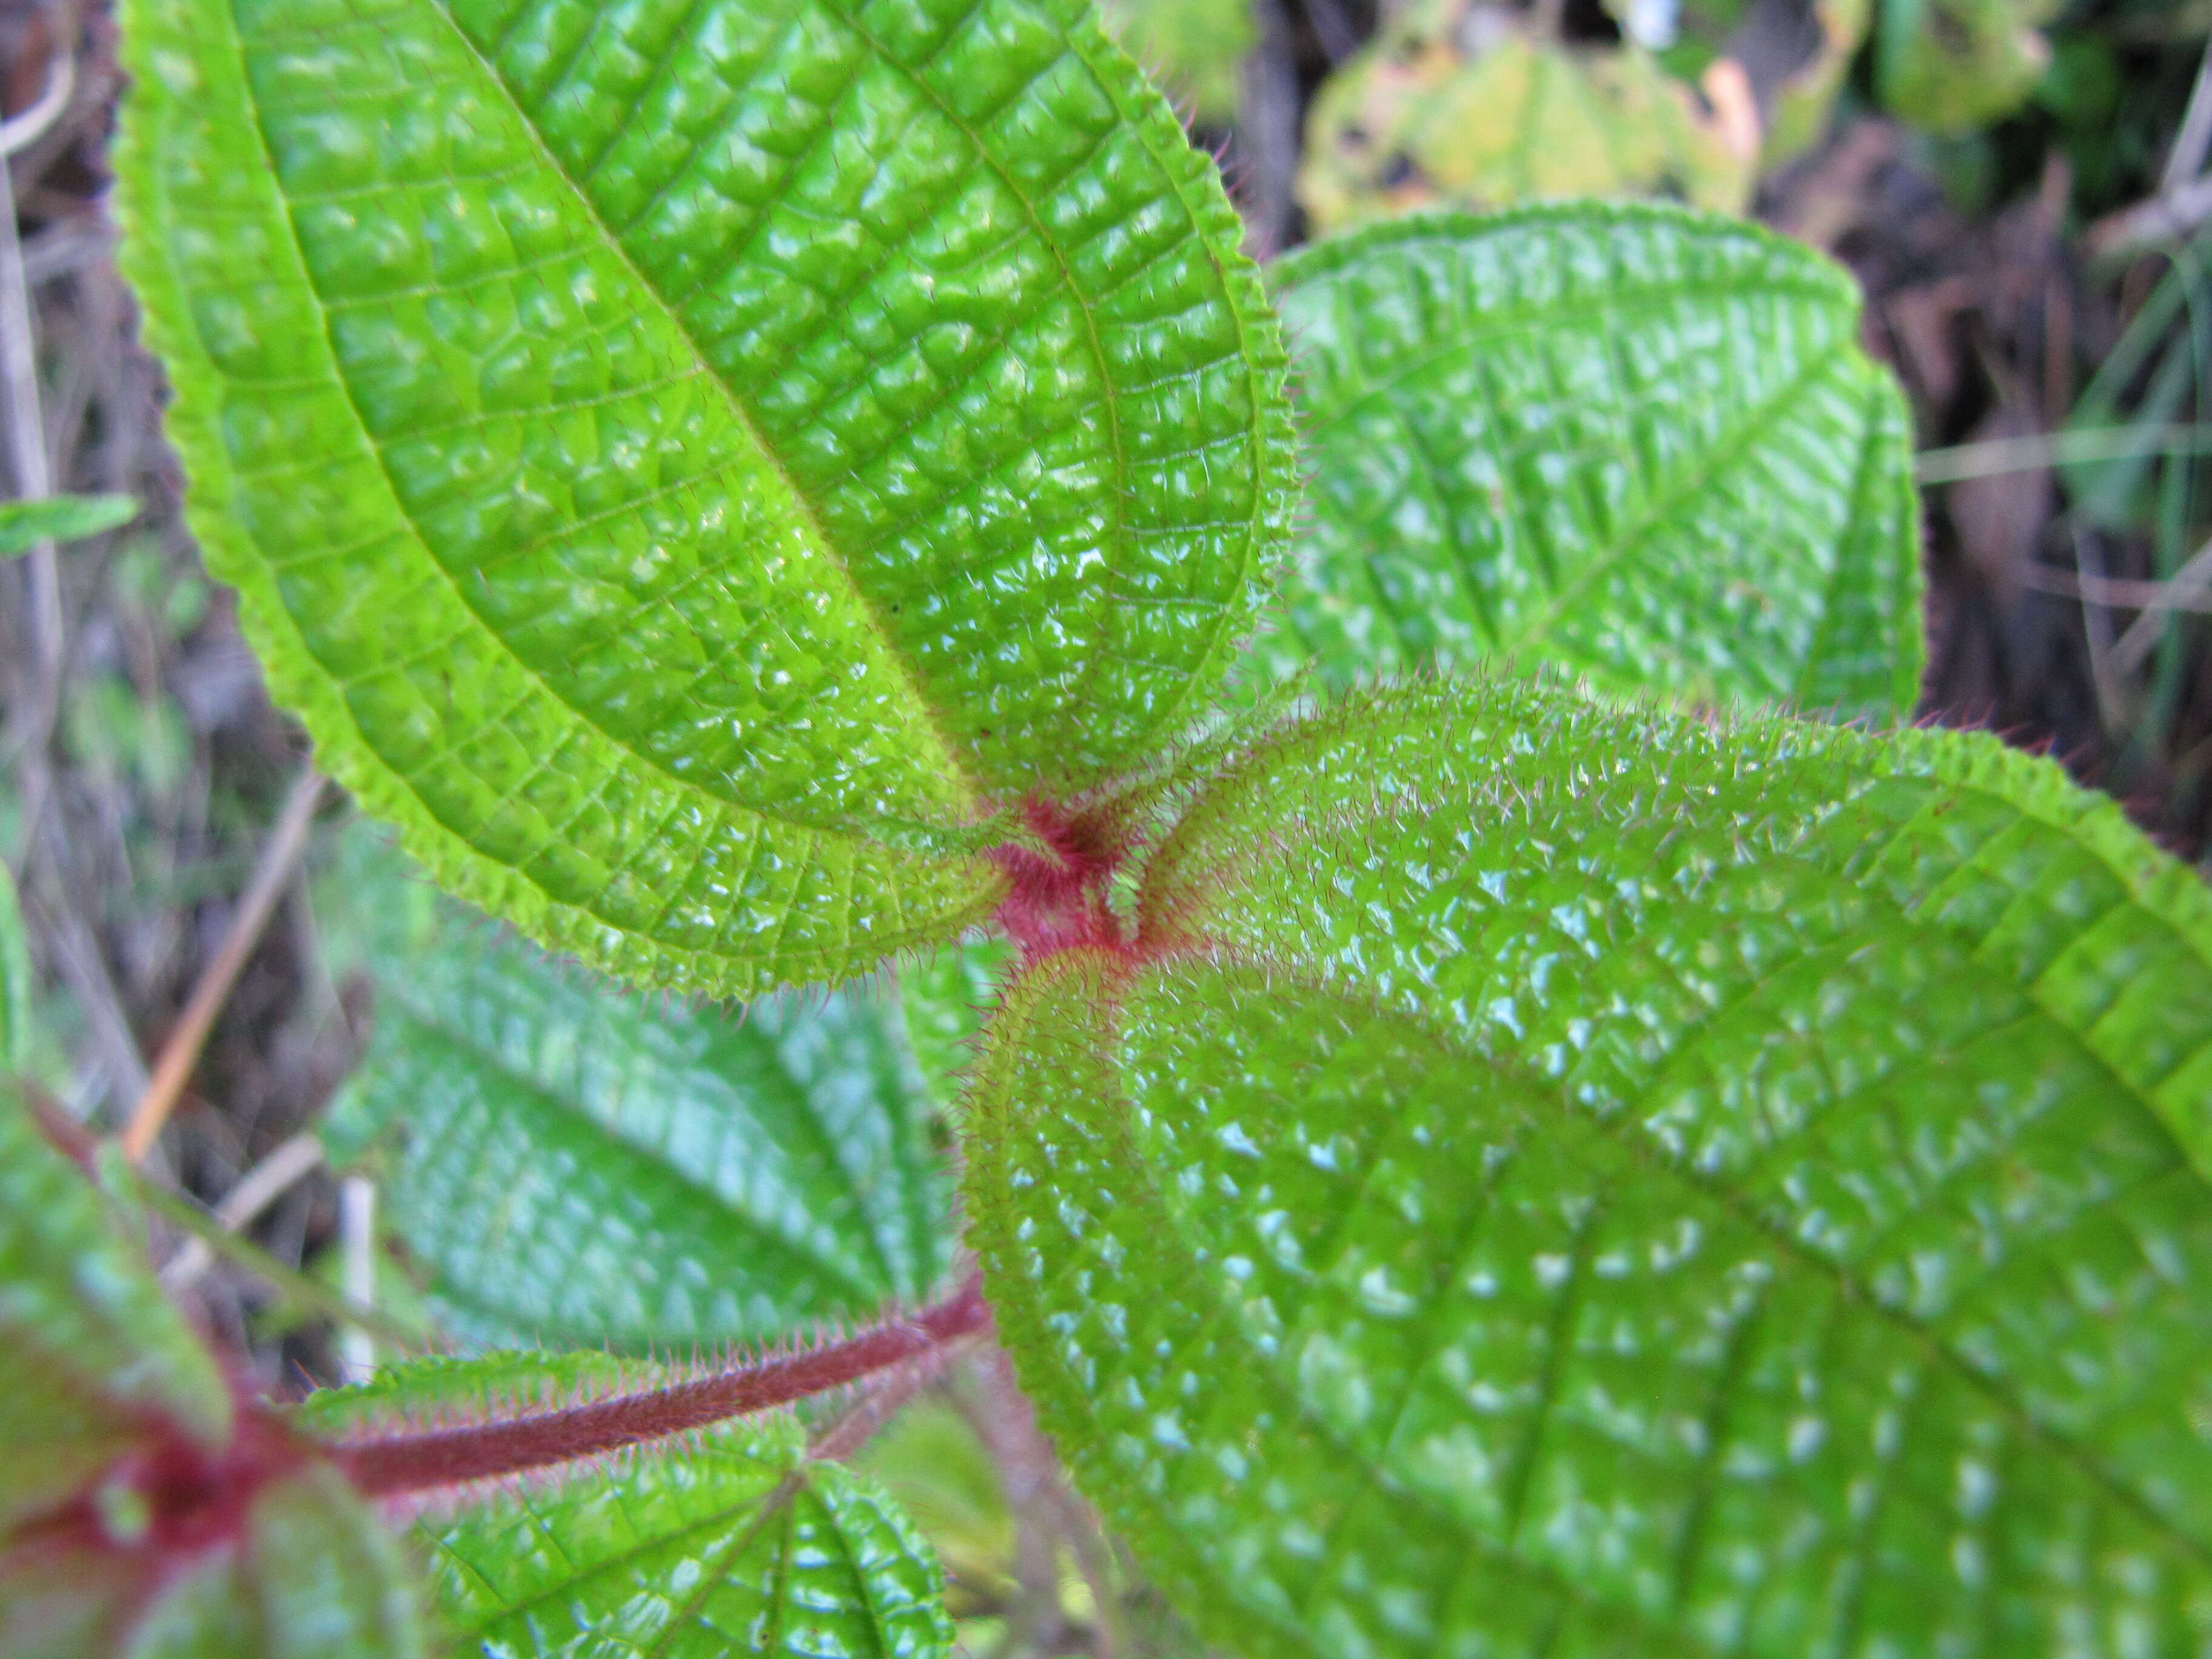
<point>485,1451</point>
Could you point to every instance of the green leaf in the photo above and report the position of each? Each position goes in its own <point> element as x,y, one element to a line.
<point>15,980</point>
<point>692,465</point>
<point>578,1164</point>
<point>448,1389</point>
<point>92,1357</point>
<point>1555,1178</point>
<point>24,525</point>
<point>946,996</point>
<point>1196,48</point>
<point>930,1460</point>
<point>1638,443</point>
<point>1954,66</point>
<point>739,1544</point>
<point>312,1575</point>
<point>1452,104</point>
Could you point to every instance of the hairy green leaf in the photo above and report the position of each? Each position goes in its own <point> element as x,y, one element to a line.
<point>579,1164</point>
<point>15,981</point>
<point>946,997</point>
<point>1568,1179</point>
<point>739,1544</point>
<point>312,1575</point>
<point>24,525</point>
<point>692,464</point>
<point>1636,443</point>
<point>1196,48</point>
<point>92,1357</point>
<point>447,1388</point>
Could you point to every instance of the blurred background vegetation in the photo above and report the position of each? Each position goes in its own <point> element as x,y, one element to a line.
<point>2019,186</point>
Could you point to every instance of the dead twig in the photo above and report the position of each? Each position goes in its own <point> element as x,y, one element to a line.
<point>257,1189</point>
<point>2170,217</point>
<point>2188,588</point>
<point>27,439</point>
<point>2126,593</point>
<point>2187,159</point>
<point>279,858</point>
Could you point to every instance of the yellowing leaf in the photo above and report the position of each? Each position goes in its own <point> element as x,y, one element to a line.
<point>1450,107</point>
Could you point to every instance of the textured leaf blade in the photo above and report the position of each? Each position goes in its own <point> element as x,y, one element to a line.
<point>24,525</point>
<point>579,1164</point>
<point>92,1357</point>
<point>1634,442</point>
<point>739,1544</point>
<point>1596,1184</point>
<point>946,997</point>
<point>685,464</point>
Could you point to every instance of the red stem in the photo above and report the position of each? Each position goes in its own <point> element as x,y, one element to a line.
<point>485,1451</point>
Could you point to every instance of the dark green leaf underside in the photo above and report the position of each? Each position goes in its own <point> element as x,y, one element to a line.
<point>1636,442</point>
<point>1613,1186</point>
<point>687,462</point>
<point>578,1164</point>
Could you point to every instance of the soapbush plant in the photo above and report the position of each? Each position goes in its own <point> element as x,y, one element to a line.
<point>1520,1114</point>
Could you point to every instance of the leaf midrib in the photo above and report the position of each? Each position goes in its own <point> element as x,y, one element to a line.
<point>469,1045</point>
<point>1223,1319</point>
<point>956,758</point>
<point>952,763</point>
<point>767,1500</point>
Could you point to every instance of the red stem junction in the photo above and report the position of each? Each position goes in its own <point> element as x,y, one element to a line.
<point>436,1458</point>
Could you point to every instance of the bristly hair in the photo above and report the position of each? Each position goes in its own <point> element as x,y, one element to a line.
<point>467,1453</point>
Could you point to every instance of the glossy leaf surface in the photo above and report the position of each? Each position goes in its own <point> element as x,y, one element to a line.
<point>24,525</point>
<point>690,465</point>
<point>580,1164</point>
<point>92,1357</point>
<point>735,1544</point>
<point>15,981</point>
<point>1580,1180</point>
<point>1637,443</point>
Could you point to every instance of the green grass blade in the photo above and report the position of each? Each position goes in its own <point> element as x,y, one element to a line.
<point>24,525</point>
<point>1637,443</point>
<point>15,982</point>
<point>691,465</point>
<point>1578,1180</point>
